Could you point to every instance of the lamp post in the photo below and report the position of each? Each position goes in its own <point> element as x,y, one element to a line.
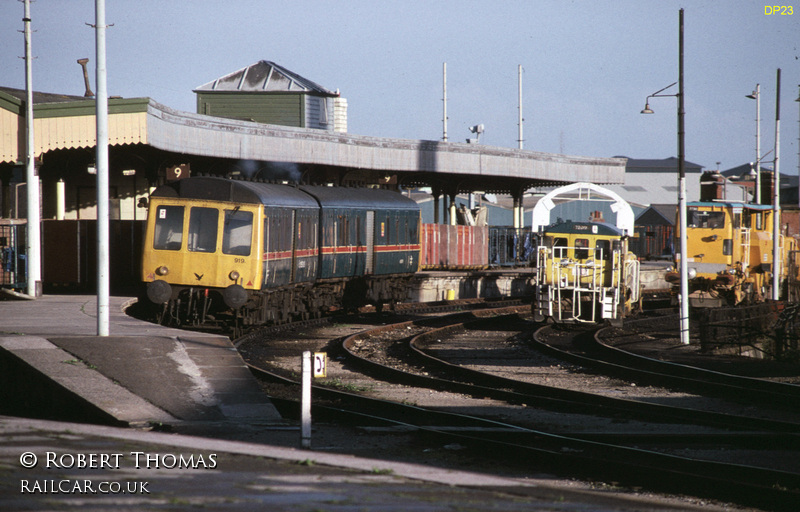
<point>798,132</point>
<point>776,196</point>
<point>684,263</point>
<point>756,95</point>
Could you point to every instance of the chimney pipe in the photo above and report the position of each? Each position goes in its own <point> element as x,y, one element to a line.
<point>88,93</point>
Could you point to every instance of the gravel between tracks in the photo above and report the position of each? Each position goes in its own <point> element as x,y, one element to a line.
<point>283,350</point>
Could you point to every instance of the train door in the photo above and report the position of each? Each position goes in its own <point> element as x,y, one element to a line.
<point>278,248</point>
<point>368,269</point>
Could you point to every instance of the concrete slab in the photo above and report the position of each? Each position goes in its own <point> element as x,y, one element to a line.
<point>179,375</point>
<point>82,380</point>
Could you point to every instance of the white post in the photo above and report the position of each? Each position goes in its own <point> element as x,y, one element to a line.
<point>33,229</point>
<point>305,405</point>
<point>101,104</point>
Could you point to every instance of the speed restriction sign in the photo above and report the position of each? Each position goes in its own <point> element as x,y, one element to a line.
<point>320,364</point>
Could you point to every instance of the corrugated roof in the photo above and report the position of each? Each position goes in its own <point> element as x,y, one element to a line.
<point>144,121</point>
<point>264,76</point>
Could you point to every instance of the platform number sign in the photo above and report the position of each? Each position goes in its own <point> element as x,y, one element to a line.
<point>178,172</point>
<point>320,364</point>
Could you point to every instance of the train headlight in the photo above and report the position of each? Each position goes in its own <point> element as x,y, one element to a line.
<point>692,273</point>
<point>234,275</point>
<point>162,270</point>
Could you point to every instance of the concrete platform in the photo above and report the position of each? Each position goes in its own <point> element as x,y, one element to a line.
<point>141,373</point>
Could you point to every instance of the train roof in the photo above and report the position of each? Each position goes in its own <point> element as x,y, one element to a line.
<point>236,191</point>
<point>342,197</point>
<point>594,228</point>
<point>730,204</point>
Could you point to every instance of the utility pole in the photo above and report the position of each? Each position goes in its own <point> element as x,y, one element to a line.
<point>519,80</point>
<point>33,228</point>
<point>776,197</point>
<point>757,96</point>
<point>444,102</point>
<point>684,263</point>
<point>101,105</point>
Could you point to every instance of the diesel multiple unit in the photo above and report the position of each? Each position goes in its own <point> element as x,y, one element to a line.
<point>265,252</point>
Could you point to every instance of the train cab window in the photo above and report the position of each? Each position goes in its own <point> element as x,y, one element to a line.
<point>759,217</point>
<point>581,248</point>
<point>708,220</point>
<point>169,228</point>
<point>602,250</point>
<point>203,229</point>
<point>737,220</point>
<point>237,232</point>
<point>560,247</point>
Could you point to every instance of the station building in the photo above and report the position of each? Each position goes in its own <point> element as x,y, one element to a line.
<point>262,121</point>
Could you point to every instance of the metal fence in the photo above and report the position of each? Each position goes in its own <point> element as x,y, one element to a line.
<point>511,246</point>
<point>742,330</point>
<point>13,257</point>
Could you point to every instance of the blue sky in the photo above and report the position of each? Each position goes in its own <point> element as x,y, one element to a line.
<point>588,65</point>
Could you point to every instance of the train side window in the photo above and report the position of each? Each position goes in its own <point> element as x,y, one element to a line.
<point>560,247</point>
<point>602,250</point>
<point>203,225</point>
<point>581,248</point>
<point>237,233</point>
<point>747,220</point>
<point>737,220</point>
<point>168,234</point>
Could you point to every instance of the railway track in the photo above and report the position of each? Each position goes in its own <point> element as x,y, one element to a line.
<point>400,353</point>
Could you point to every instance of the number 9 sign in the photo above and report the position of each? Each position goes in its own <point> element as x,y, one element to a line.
<point>178,172</point>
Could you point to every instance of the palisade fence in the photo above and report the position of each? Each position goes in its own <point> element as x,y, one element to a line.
<point>769,329</point>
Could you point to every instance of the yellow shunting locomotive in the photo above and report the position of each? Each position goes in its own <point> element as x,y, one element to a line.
<point>585,272</point>
<point>730,253</point>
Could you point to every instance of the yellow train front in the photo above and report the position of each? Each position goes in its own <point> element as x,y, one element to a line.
<point>729,253</point>
<point>219,250</point>
<point>585,274</point>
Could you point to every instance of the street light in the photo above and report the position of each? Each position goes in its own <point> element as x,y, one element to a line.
<point>647,109</point>
<point>776,195</point>
<point>798,133</point>
<point>756,95</point>
<point>684,263</point>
